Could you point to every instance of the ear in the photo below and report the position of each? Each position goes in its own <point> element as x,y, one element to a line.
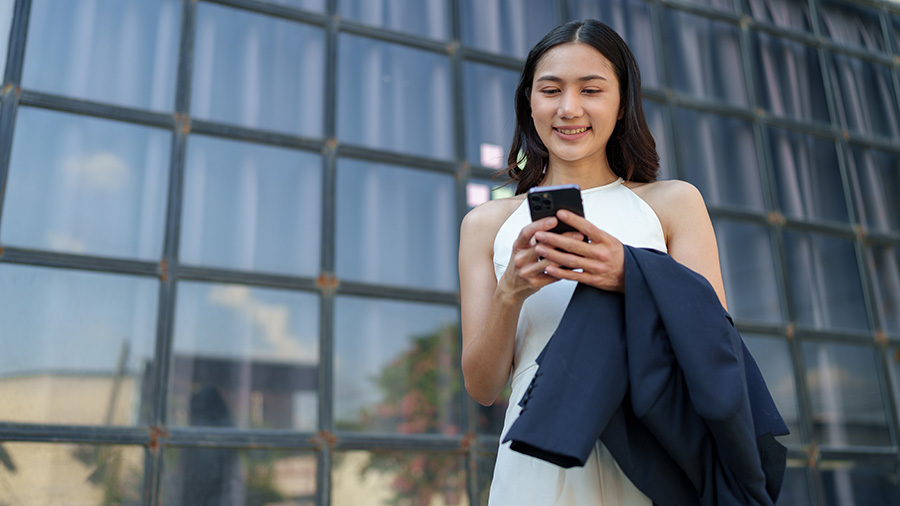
<point>621,113</point>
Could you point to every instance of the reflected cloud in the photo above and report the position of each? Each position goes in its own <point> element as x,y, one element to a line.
<point>100,170</point>
<point>64,241</point>
<point>271,319</point>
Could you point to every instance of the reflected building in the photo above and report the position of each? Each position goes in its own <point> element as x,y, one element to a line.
<point>229,232</point>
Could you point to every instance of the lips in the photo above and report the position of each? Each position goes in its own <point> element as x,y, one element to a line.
<point>572,131</point>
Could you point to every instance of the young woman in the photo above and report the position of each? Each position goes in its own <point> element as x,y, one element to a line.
<point>579,120</point>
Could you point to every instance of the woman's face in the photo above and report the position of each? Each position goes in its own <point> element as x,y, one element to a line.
<point>575,103</point>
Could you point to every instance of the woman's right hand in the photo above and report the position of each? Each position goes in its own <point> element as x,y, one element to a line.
<point>526,272</point>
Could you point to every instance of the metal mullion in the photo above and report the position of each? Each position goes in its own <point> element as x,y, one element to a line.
<point>846,336</point>
<point>800,126</point>
<point>430,442</point>
<point>662,66</point>
<point>397,293</point>
<point>239,133</point>
<point>393,37</point>
<point>699,10</point>
<point>259,279</point>
<point>18,34</point>
<point>832,229</point>
<point>718,211</point>
<point>275,10</point>
<point>891,146</point>
<point>95,109</point>
<point>756,327</point>
<point>372,155</point>
<point>860,453</point>
<point>236,438</point>
<point>56,433</point>
<point>25,256</point>
<point>502,61</point>
<point>709,106</point>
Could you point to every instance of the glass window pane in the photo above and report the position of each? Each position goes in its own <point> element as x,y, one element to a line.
<point>865,97</point>
<point>310,5</point>
<point>807,176</point>
<point>718,155</point>
<point>394,98</point>
<point>490,119</point>
<point>847,482</point>
<point>795,487</point>
<point>845,395</point>
<point>251,207</point>
<point>895,32</point>
<point>655,113</point>
<point>245,357</point>
<point>428,18</point>
<point>510,27</point>
<point>396,226</point>
<point>396,367</point>
<point>479,190</point>
<point>489,419</point>
<point>789,79</point>
<point>76,474</point>
<point>884,263</point>
<point>485,476</point>
<point>631,19</point>
<point>124,53</point>
<point>75,347</point>
<point>825,288</point>
<point>791,14</point>
<point>390,477</point>
<point>705,57</point>
<point>876,181</point>
<point>773,356</point>
<point>6,15</point>
<point>852,24</point>
<point>748,270</point>
<point>258,71</point>
<point>84,185</point>
<point>232,477</point>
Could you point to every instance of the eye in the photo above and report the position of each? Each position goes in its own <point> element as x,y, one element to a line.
<point>549,91</point>
<point>592,91</point>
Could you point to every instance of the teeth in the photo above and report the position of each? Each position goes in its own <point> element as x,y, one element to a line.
<point>572,132</point>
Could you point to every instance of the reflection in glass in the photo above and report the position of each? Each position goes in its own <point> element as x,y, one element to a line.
<point>865,97</point>
<point>485,476</point>
<point>123,53</point>
<point>428,18</point>
<point>876,181</point>
<point>490,119</point>
<point>310,5</point>
<point>705,56</point>
<point>510,27</point>
<point>791,14</point>
<point>630,19</point>
<point>42,474</point>
<point>789,79</point>
<point>654,112</point>
<point>258,71</point>
<point>852,24</point>
<point>232,477</point>
<point>847,482</point>
<point>396,226</point>
<point>795,487</point>
<point>84,185</point>
<point>489,419</point>
<point>251,207</point>
<point>396,367</point>
<point>245,357</point>
<point>748,270</point>
<point>718,155</point>
<point>826,290</point>
<point>773,356</point>
<point>807,176</point>
<point>75,347</point>
<point>479,191</point>
<point>391,477</point>
<point>884,263</point>
<point>6,15</point>
<point>845,395</point>
<point>394,97</point>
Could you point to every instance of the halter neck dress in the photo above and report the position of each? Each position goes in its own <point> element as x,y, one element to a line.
<point>521,480</point>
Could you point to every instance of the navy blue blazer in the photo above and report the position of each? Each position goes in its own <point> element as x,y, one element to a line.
<point>660,375</point>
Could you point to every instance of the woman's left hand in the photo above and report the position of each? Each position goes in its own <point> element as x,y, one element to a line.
<point>599,263</point>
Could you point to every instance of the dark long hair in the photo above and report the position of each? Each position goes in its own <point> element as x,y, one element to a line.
<point>631,150</point>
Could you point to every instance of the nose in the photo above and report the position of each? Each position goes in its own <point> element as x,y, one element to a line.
<point>569,105</point>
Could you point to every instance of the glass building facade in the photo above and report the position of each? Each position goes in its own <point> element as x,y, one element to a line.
<point>228,235</point>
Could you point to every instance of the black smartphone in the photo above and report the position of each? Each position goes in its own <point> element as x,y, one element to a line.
<point>546,200</point>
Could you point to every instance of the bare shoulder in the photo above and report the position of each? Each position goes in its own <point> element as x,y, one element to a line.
<point>484,221</point>
<point>677,203</point>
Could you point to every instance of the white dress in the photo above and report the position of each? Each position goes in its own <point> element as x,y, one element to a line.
<point>521,480</point>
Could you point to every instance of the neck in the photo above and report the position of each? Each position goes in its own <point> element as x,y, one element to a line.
<point>585,175</point>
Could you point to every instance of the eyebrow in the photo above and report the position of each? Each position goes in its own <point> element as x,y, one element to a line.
<point>582,79</point>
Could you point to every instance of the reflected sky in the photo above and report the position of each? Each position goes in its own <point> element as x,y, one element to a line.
<point>6,12</point>
<point>510,27</point>
<point>748,271</point>
<point>427,18</point>
<point>773,356</point>
<point>490,119</point>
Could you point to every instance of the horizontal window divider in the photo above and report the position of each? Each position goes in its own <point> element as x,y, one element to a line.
<point>801,36</point>
<point>799,126</point>
<point>46,433</point>
<point>683,100</point>
<point>416,162</point>
<point>416,442</point>
<point>834,336</point>
<point>700,10</point>
<point>655,94</point>
<point>96,109</point>
<point>273,9</point>
<point>839,230</point>
<point>210,274</point>
<point>882,143</point>
<point>239,133</point>
<point>399,293</point>
<point>859,453</point>
<point>881,238</point>
<point>9,254</point>
<point>475,55</point>
<point>481,172</point>
<point>749,326</point>
<point>868,55</point>
<point>797,451</point>
<point>758,217</point>
<point>387,35</point>
<point>236,438</point>
<point>488,443</point>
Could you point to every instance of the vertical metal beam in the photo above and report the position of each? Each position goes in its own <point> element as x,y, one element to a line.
<point>9,91</point>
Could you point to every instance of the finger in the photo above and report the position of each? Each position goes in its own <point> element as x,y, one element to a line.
<point>582,225</point>
<point>527,233</point>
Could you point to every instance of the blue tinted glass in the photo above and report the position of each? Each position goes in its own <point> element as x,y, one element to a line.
<point>846,482</point>
<point>251,207</point>
<point>718,155</point>
<point>506,26</point>
<point>791,14</point>
<point>852,24</point>
<point>795,487</point>
<point>6,14</point>
<point>85,185</point>
<point>748,270</point>
<point>884,261</point>
<point>876,182</point>
<point>807,176</point>
<point>490,119</point>
<point>245,357</point>
<point>655,114</point>
<point>258,71</point>
<point>428,18</point>
<point>773,357</point>
<point>789,79</point>
<point>825,288</point>
<point>865,97</point>
<point>394,98</point>
<point>75,347</point>
<point>310,5</point>
<point>631,20</point>
<point>123,53</point>
<point>396,226</point>
<point>399,477</point>
<point>396,367</point>
<point>705,57</point>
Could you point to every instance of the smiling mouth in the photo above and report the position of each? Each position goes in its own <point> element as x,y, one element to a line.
<point>571,131</point>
